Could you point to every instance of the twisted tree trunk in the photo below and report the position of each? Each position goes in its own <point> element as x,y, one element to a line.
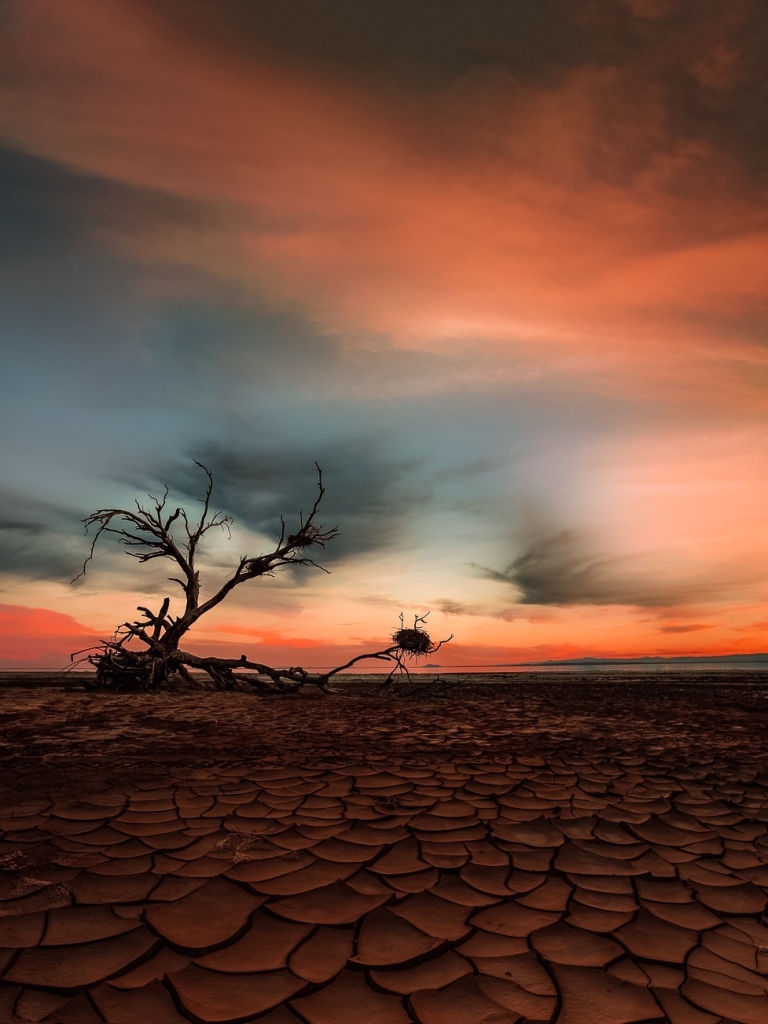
<point>160,663</point>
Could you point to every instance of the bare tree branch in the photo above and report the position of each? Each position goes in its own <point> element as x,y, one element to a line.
<point>149,533</point>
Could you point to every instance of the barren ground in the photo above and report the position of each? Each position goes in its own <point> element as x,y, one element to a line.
<point>43,729</point>
<point>552,849</point>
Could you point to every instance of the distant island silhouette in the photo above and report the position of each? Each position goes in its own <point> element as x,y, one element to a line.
<point>707,659</point>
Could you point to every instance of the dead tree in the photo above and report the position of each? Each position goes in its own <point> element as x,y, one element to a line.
<point>145,654</point>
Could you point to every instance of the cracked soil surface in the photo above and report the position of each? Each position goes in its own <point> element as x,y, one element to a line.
<point>576,852</point>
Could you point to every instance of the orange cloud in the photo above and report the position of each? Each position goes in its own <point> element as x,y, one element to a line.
<point>267,637</point>
<point>38,637</point>
<point>530,216</point>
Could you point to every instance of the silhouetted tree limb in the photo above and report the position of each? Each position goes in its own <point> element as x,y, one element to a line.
<point>155,532</point>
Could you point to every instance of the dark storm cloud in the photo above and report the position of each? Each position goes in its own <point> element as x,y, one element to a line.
<point>39,541</point>
<point>64,287</point>
<point>369,496</point>
<point>68,287</point>
<point>21,526</point>
<point>44,541</point>
<point>562,569</point>
<point>406,43</point>
<point>702,63</point>
<point>67,282</point>
<point>49,212</point>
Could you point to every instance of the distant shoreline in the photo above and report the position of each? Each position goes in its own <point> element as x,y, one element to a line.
<point>681,659</point>
<point>724,660</point>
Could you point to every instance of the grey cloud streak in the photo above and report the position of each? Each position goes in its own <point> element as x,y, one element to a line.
<point>562,568</point>
<point>45,541</point>
<point>693,628</point>
<point>38,540</point>
<point>369,495</point>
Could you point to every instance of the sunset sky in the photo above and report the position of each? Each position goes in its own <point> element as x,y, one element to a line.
<point>501,268</point>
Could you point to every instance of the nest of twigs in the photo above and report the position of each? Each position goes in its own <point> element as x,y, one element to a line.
<point>306,537</point>
<point>413,641</point>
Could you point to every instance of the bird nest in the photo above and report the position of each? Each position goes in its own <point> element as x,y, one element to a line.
<point>413,641</point>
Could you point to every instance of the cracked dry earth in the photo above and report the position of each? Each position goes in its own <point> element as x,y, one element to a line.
<point>583,884</point>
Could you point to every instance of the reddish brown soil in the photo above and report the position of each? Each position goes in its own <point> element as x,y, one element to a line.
<point>586,853</point>
<point>54,727</point>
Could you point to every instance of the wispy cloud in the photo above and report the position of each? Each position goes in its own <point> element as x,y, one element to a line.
<point>566,568</point>
<point>693,628</point>
<point>38,540</point>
